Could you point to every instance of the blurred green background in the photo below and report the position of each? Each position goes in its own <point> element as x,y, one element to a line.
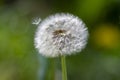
<point>19,60</point>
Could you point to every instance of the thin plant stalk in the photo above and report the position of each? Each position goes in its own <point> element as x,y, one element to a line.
<point>64,70</point>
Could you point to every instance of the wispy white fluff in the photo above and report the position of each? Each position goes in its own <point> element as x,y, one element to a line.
<point>61,34</point>
<point>36,21</point>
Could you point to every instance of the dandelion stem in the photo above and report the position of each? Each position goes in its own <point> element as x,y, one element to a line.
<point>64,71</point>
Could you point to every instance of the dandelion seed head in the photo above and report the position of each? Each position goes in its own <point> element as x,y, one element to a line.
<point>61,34</point>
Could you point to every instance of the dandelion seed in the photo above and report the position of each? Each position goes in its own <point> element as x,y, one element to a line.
<point>61,34</point>
<point>36,21</point>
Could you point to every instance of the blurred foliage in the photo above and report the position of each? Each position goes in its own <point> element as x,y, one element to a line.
<point>19,60</point>
<point>107,36</point>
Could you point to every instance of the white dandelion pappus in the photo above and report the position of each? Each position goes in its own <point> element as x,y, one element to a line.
<point>61,34</point>
<point>36,21</point>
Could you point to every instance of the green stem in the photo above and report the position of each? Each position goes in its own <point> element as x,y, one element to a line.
<point>64,71</point>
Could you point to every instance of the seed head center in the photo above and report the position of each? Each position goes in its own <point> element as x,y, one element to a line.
<point>59,32</point>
